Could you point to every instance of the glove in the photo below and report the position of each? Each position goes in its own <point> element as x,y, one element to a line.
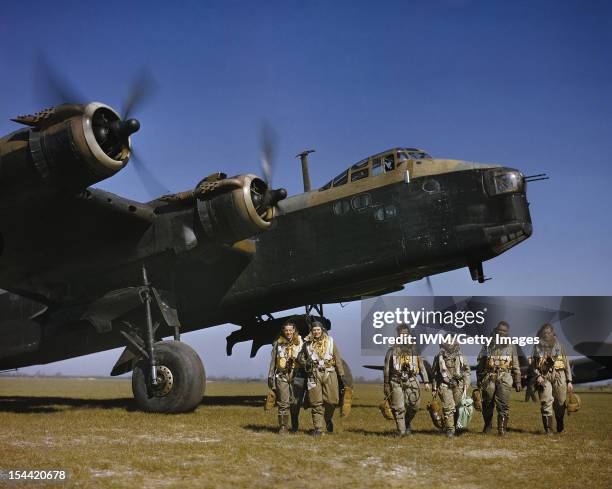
<point>518,387</point>
<point>387,389</point>
<point>270,382</point>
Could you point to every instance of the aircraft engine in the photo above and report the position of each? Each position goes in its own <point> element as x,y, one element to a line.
<point>65,148</point>
<point>233,209</point>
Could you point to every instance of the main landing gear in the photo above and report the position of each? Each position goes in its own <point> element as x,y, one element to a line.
<point>179,383</point>
<point>168,376</point>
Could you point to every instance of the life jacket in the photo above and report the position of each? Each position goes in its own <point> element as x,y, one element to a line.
<point>323,358</point>
<point>287,352</point>
<point>405,365</point>
<point>549,358</point>
<point>457,367</point>
<point>499,357</point>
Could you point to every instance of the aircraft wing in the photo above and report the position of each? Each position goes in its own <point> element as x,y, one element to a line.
<point>600,353</point>
<point>48,244</point>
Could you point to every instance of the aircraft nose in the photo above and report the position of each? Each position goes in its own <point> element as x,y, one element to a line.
<point>507,195</point>
<point>505,236</point>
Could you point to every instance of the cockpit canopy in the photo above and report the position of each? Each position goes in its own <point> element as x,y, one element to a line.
<point>377,164</point>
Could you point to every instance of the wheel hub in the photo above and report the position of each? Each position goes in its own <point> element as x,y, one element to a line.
<point>165,381</point>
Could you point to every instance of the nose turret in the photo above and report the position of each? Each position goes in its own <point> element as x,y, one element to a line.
<point>508,209</point>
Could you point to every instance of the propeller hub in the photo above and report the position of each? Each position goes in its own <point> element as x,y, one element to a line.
<point>129,127</point>
<point>273,197</point>
<point>278,195</point>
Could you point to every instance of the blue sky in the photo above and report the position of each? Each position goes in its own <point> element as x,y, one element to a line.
<point>523,83</point>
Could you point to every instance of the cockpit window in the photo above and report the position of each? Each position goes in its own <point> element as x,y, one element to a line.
<point>376,167</point>
<point>419,155</point>
<point>360,164</point>
<point>380,164</point>
<point>389,162</point>
<point>359,174</point>
<point>341,179</point>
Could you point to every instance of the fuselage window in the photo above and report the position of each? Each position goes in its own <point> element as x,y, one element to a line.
<point>386,212</point>
<point>362,201</point>
<point>389,162</point>
<point>359,174</point>
<point>390,211</point>
<point>341,207</point>
<point>326,186</point>
<point>341,179</point>
<point>431,186</point>
<point>376,167</point>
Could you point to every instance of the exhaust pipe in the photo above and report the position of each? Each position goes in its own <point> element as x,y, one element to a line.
<point>303,156</point>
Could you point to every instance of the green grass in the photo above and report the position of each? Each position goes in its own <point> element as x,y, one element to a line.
<point>90,428</point>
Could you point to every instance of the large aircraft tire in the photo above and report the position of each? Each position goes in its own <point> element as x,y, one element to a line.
<point>181,380</point>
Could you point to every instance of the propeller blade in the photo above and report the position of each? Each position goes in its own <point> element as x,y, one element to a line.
<point>142,89</point>
<point>154,187</point>
<point>267,153</point>
<point>429,286</point>
<point>52,89</point>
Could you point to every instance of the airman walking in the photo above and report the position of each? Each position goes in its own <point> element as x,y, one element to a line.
<point>552,377</point>
<point>497,370</point>
<point>451,378</point>
<point>283,366</point>
<point>324,368</point>
<point>402,366</point>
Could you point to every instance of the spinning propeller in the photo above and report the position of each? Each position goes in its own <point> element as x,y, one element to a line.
<point>112,134</point>
<point>264,198</point>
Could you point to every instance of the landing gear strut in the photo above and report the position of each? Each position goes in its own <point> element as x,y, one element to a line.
<point>168,376</point>
<point>146,298</point>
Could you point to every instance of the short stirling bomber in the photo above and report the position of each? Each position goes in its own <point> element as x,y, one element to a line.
<point>89,271</point>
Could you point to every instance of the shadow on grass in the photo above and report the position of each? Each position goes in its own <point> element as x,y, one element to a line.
<point>28,404</point>
<point>261,428</point>
<point>248,401</point>
<point>519,430</point>
<point>392,433</point>
<point>264,428</point>
<point>25,404</point>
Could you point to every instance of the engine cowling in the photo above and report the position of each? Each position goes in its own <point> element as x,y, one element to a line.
<point>236,208</point>
<point>66,148</point>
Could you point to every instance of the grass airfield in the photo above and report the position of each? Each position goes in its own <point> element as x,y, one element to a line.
<point>90,427</point>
